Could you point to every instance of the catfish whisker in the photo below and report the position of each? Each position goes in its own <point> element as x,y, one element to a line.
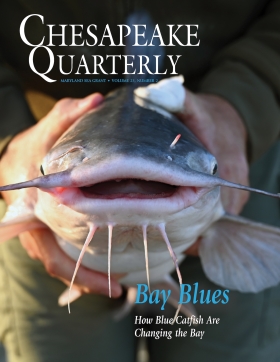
<point>92,229</point>
<point>110,232</point>
<point>175,261</point>
<point>144,228</point>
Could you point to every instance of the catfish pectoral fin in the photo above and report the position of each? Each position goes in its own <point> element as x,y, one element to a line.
<point>241,255</point>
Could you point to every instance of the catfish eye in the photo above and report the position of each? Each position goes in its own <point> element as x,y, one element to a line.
<point>215,169</point>
<point>42,170</point>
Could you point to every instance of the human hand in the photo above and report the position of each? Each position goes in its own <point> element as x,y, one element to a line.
<point>219,127</point>
<point>40,244</point>
<point>21,162</point>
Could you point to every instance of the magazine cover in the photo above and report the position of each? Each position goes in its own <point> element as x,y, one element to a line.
<point>139,176</point>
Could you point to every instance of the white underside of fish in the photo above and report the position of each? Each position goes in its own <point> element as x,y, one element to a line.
<point>128,257</point>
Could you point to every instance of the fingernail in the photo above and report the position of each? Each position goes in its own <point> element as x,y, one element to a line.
<point>66,296</point>
<point>98,98</point>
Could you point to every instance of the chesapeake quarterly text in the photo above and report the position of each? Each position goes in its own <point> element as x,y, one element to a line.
<point>78,35</point>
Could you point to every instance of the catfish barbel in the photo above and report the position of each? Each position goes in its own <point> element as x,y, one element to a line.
<point>125,194</point>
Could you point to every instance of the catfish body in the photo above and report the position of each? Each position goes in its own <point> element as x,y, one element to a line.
<point>128,147</point>
<point>118,169</point>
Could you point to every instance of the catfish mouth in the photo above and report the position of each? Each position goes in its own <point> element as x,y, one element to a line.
<point>129,188</point>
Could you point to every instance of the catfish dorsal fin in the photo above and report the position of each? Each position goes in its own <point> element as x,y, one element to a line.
<point>240,254</point>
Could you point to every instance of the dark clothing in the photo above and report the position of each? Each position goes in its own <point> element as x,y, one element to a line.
<point>238,59</point>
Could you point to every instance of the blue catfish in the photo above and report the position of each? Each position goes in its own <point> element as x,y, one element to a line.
<point>128,188</point>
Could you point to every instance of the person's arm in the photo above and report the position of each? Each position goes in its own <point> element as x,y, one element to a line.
<point>247,74</point>
<point>15,115</point>
<point>242,89</point>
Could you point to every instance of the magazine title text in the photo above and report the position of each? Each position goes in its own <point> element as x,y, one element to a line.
<point>80,36</point>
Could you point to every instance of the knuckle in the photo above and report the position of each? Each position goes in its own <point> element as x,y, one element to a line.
<point>62,105</point>
<point>64,102</point>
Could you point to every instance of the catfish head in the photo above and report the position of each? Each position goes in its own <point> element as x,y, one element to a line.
<point>133,169</point>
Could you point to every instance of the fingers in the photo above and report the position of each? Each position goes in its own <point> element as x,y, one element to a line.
<point>190,106</point>
<point>219,127</point>
<point>234,200</point>
<point>64,114</point>
<point>27,241</point>
<point>69,109</point>
<point>234,167</point>
<point>59,265</point>
<point>65,298</point>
